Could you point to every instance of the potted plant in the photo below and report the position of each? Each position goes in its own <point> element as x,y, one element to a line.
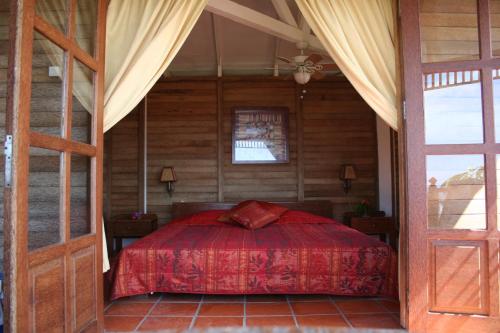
<point>363,208</point>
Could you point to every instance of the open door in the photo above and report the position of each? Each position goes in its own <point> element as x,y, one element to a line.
<point>53,169</point>
<point>452,91</point>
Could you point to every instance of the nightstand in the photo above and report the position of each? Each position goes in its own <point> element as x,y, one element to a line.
<point>376,226</point>
<point>124,226</point>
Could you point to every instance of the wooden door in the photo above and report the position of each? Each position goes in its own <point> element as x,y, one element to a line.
<point>451,69</point>
<point>53,209</point>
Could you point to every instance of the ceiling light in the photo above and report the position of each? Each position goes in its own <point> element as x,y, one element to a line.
<point>302,77</point>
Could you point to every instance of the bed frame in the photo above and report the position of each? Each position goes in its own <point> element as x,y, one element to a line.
<point>317,207</point>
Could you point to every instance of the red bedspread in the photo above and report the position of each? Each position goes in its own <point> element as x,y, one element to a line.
<point>301,253</point>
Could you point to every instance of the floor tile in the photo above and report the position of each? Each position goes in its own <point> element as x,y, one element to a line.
<point>360,306</point>
<point>131,309</point>
<point>181,298</point>
<point>121,323</point>
<point>175,309</point>
<point>324,320</point>
<point>373,320</point>
<point>266,298</point>
<point>147,298</point>
<point>308,298</point>
<point>310,308</point>
<point>253,309</point>
<point>390,305</point>
<point>271,321</point>
<point>165,323</point>
<point>223,298</point>
<point>218,322</point>
<point>221,309</point>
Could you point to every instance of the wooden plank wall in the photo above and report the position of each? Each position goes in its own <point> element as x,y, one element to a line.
<point>339,128</point>
<point>182,125</point>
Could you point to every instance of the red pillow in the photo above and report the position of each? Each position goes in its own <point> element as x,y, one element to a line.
<point>226,217</point>
<point>253,215</point>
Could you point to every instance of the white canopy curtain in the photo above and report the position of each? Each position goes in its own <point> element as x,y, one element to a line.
<point>142,39</point>
<point>360,37</point>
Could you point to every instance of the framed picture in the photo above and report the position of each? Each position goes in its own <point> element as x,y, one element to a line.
<point>260,135</point>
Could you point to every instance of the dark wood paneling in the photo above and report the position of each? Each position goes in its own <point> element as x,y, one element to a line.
<point>183,131</point>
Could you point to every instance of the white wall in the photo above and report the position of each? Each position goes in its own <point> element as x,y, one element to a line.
<point>384,166</point>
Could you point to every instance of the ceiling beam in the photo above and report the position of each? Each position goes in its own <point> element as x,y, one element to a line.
<point>217,44</point>
<point>284,12</point>
<point>254,19</point>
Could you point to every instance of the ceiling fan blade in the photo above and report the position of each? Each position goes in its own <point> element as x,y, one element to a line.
<point>330,67</point>
<point>317,75</point>
<point>288,61</point>
<point>314,58</point>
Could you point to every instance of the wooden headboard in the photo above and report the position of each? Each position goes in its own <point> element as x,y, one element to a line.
<point>317,207</point>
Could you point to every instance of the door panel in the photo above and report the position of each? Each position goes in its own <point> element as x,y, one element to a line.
<point>53,208</point>
<point>450,77</point>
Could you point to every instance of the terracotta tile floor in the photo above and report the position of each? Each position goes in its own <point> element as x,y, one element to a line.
<point>179,312</point>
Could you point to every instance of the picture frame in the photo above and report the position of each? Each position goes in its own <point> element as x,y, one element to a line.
<point>260,135</point>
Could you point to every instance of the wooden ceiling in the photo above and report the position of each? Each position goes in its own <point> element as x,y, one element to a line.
<point>243,37</point>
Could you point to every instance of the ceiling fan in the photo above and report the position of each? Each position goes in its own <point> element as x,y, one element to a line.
<point>307,66</point>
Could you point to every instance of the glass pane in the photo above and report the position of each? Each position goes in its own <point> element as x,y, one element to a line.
<point>496,101</point>
<point>83,102</point>
<point>54,12</point>
<point>80,195</point>
<point>47,87</point>
<point>456,192</point>
<point>495,26</point>
<point>453,108</point>
<point>86,24</point>
<point>44,198</point>
<point>449,30</point>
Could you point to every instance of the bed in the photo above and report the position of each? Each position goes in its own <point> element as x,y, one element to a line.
<point>304,252</point>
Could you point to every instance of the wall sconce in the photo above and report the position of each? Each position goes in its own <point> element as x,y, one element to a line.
<point>168,176</point>
<point>347,175</point>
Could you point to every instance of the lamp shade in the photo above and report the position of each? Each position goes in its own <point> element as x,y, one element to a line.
<point>168,175</point>
<point>302,77</point>
<point>347,172</point>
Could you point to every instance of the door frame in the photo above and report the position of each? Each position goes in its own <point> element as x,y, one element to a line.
<point>418,235</point>
<point>17,258</point>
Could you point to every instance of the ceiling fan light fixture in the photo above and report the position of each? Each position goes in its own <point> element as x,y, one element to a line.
<point>302,77</point>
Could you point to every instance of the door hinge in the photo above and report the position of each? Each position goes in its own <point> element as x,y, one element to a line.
<point>404,110</point>
<point>7,152</point>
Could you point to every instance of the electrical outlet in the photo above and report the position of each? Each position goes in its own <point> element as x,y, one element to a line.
<point>54,71</point>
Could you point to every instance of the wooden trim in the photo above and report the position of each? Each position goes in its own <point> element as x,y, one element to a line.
<point>41,140</point>
<point>318,207</point>
<point>141,149</point>
<point>414,166</point>
<point>300,141</point>
<point>59,39</point>
<point>220,142</point>
<point>97,140</point>
<point>16,198</point>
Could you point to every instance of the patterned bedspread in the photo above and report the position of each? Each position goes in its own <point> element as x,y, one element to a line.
<point>301,253</point>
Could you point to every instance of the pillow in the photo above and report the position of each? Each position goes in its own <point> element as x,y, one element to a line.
<point>253,215</point>
<point>301,217</point>
<point>226,216</point>
<point>270,207</point>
